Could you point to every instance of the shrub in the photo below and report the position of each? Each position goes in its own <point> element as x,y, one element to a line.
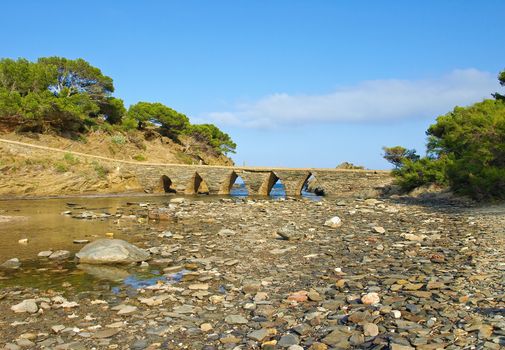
<point>423,171</point>
<point>139,157</point>
<point>101,171</point>
<point>118,139</point>
<point>70,159</point>
<point>61,167</point>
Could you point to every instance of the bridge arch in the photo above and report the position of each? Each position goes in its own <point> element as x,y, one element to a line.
<point>312,185</point>
<point>166,184</point>
<point>230,180</point>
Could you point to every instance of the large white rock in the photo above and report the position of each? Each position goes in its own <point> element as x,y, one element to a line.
<point>111,251</point>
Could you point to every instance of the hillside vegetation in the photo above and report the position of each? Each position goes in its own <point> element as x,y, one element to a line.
<point>465,151</point>
<point>74,100</point>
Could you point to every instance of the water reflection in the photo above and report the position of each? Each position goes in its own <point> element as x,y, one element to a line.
<point>239,190</point>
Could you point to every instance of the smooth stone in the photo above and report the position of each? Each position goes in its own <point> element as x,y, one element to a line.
<point>295,347</point>
<point>110,251</point>
<point>140,344</point>
<point>127,309</point>
<point>236,319</point>
<point>357,339</point>
<point>259,334</point>
<point>337,338</point>
<point>81,241</point>
<point>334,222</point>
<point>379,229</point>
<point>370,330</point>
<point>370,299</point>
<point>12,264</point>
<point>314,296</point>
<point>206,327</point>
<point>28,305</point>
<point>288,340</point>
<point>60,254</point>
<point>45,254</point>
<point>290,233</point>
<point>178,200</point>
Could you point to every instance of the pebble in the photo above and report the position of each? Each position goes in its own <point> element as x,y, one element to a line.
<point>60,254</point>
<point>334,222</point>
<point>370,330</point>
<point>259,334</point>
<point>206,327</point>
<point>379,229</point>
<point>236,319</point>
<point>370,299</point>
<point>288,340</point>
<point>45,254</point>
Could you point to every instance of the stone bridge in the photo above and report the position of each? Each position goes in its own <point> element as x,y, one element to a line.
<point>194,179</point>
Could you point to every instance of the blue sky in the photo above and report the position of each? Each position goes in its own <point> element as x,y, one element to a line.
<point>295,83</point>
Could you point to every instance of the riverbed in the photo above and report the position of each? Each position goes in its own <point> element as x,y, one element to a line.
<point>396,273</point>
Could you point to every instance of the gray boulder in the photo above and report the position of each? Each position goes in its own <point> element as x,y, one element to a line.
<point>111,251</point>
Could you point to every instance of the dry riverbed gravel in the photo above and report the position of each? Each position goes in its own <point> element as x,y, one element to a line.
<point>285,274</point>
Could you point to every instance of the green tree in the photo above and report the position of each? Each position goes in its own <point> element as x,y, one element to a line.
<point>170,121</point>
<point>213,136</point>
<point>397,155</point>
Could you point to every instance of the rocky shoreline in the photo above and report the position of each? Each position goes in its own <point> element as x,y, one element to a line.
<point>263,274</point>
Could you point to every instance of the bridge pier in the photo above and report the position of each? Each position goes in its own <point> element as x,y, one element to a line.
<point>256,182</point>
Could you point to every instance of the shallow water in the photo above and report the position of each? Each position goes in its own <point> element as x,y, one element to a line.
<point>46,226</point>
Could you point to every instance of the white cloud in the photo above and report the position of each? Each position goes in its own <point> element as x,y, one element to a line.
<point>374,100</point>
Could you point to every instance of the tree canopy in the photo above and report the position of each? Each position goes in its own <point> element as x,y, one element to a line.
<point>220,141</point>
<point>156,113</point>
<point>397,155</point>
<point>77,76</point>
